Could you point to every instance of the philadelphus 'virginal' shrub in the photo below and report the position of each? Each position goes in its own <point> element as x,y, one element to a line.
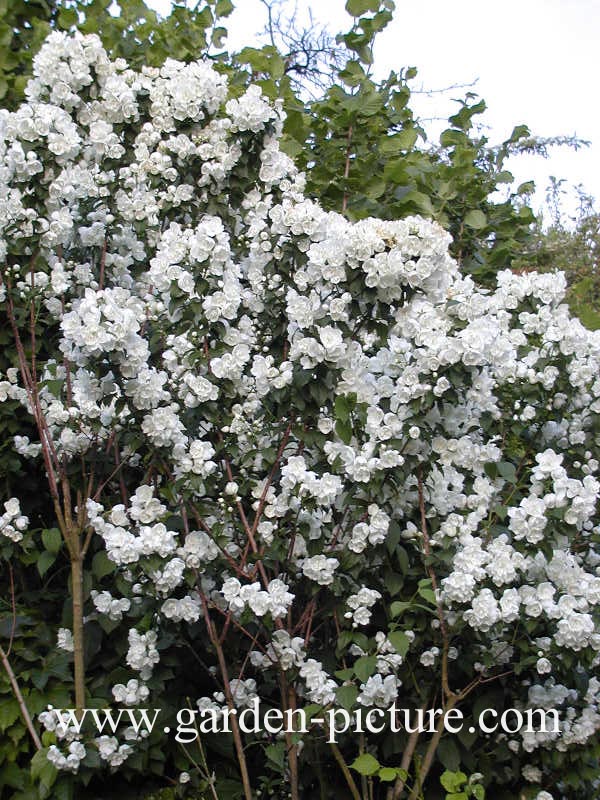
<point>356,476</point>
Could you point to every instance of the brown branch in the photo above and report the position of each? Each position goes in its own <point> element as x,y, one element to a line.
<point>448,693</point>
<point>102,265</point>
<point>237,738</point>
<point>20,700</point>
<point>122,487</point>
<point>347,774</point>
<point>288,701</point>
<point>49,454</point>
<point>431,749</point>
<point>347,168</point>
<point>237,626</point>
<point>395,791</point>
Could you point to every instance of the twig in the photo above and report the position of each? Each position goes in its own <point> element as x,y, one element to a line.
<point>430,753</point>
<point>347,774</point>
<point>395,792</point>
<point>347,168</point>
<point>448,693</point>
<point>20,700</point>
<point>237,739</point>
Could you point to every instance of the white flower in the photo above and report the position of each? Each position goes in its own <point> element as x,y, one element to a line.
<point>360,605</point>
<point>64,640</point>
<point>379,691</point>
<point>428,657</point>
<point>131,694</point>
<point>320,569</point>
<point>142,654</point>
<point>543,666</point>
<point>12,522</point>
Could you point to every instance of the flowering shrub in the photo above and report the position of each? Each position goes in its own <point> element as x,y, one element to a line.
<point>312,450</point>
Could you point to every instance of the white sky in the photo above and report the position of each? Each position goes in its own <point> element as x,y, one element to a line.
<point>535,62</point>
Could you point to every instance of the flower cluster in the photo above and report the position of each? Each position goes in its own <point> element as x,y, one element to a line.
<point>275,600</point>
<point>12,522</point>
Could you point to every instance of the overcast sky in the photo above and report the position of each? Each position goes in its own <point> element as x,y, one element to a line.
<point>534,62</point>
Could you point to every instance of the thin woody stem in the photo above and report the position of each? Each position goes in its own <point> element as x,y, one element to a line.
<point>346,772</point>
<point>288,701</point>
<point>395,791</point>
<point>237,739</point>
<point>78,637</point>
<point>347,167</point>
<point>453,701</point>
<point>51,461</point>
<point>448,693</point>
<point>53,467</point>
<point>431,750</point>
<point>20,700</point>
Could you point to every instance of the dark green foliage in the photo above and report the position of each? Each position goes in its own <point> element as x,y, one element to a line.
<point>570,242</point>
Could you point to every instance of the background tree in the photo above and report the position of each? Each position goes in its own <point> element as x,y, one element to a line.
<point>569,241</point>
<point>130,30</point>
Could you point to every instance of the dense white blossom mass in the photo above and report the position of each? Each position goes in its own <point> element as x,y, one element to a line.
<point>288,391</point>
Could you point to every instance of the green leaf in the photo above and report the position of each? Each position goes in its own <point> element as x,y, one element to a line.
<point>428,594</point>
<point>63,790</point>
<point>393,538</point>
<point>9,712</point>
<point>55,387</point>
<point>312,709</point>
<point>52,540</point>
<point>504,177</point>
<point>364,667</point>
<point>44,562</point>
<point>365,764</point>
<point>393,582</point>
<point>452,137</point>
<point>67,17</point>
<point>229,789</point>
<point>344,431</point>
<point>449,755</point>
<point>346,696</point>
<point>342,408</point>
<point>276,754</point>
<point>507,471</point>
<point>453,781</point>
<point>519,132</point>
<point>387,774</point>
<point>11,775</point>
<point>403,560</point>
<point>224,8</point>
<point>38,762</point>
<point>476,219</point>
<point>399,607</point>
<point>357,8</point>
<point>405,139</point>
<point>47,776</point>
<point>399,641</point>
<point>352,74</point>
<point>102,565</point>
<point>218,36</point>
<point>491,469</point>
